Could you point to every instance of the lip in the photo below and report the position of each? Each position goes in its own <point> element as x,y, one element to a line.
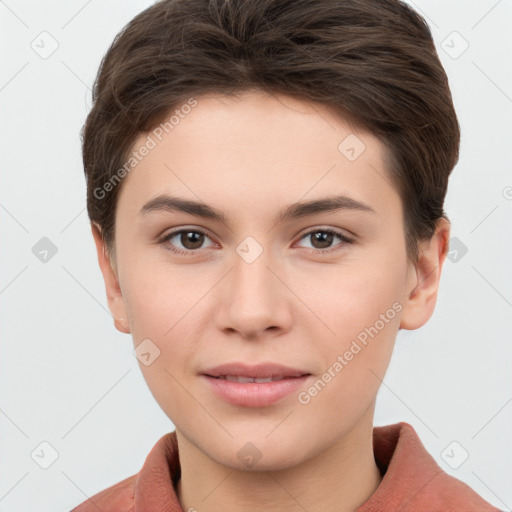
<point>254,394</point>
<point>258,371</point>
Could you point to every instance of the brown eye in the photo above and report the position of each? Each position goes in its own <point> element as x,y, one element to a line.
<point>191,240</point>
<point>322,240</point>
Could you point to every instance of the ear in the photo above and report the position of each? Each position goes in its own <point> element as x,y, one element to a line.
<point>114,296</point>
<point>423,278</point>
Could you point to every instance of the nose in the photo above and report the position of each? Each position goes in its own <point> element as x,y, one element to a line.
<point>255,301</point>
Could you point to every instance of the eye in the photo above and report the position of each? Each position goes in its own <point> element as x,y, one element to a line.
<point>323,238</point>
<point>191,240</point>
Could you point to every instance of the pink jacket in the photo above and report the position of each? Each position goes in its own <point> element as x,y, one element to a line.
<point>412,482</point>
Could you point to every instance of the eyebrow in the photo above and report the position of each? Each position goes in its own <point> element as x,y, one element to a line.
<point>165,202</point>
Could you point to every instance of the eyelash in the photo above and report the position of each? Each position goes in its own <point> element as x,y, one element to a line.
<point>192,252</point>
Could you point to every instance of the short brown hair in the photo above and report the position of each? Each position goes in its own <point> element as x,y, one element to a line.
<point>372,61</point>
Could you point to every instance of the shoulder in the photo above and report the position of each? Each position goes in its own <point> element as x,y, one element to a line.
<point>156,477</point>
<point>413,480</point>
<point>117,497</point>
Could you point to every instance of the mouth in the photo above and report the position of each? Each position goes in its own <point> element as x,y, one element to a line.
<point>272,371</point>
<point>239,378</point>
<point>254,386</point>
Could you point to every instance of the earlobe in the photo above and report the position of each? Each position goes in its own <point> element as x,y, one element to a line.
<point>424,278</point>
<point>114,295</point>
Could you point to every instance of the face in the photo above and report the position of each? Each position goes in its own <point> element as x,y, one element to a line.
<point>320,290</point>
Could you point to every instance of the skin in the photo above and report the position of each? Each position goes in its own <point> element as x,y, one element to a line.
<point>250,157</point>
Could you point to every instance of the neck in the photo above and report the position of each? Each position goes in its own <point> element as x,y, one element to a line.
<point>339,479</point>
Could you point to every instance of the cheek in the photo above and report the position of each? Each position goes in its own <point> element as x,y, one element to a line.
<point>160,309</point>
<point>157,296</point>
<point>363,311</point>
<point>355,359</point>
<point>163,304</point>
<point>351,298</point>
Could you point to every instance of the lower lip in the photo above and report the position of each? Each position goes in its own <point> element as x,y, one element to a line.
<point>254,394</point>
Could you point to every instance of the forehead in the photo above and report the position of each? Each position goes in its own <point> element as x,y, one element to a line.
<point>258,150</point>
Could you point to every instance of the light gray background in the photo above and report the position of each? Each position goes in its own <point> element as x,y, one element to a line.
<point>70,379</point>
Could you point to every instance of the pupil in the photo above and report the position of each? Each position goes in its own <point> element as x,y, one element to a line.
<point>195,239</point>
<point>323,237</point>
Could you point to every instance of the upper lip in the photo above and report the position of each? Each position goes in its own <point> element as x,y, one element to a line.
<point>259,371</point>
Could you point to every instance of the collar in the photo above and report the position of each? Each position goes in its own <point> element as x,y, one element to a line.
<point>412,480</point>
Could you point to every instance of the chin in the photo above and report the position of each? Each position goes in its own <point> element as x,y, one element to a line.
<point>256,455</point>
